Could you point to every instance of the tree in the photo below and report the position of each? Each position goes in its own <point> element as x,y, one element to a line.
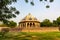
<point>12,24</point>
<point>6,12</point>
<point>58,21</point>
<point>55,24</point>
<point>46,23</point>
<point>32,2</point>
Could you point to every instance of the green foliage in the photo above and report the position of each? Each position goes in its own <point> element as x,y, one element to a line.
<point>46,23</point>
<point>32,36</point>
<point>4,31</point>
<point>45,0</point>
<point>47,6</point>
<point>51,0</point>
<point>58,20</point>
<point>26,1</point>
<point>41,0</point>
<point>12,24</point>
<point>32,2</point>
<point>7,12</point>
<point>55,24</point>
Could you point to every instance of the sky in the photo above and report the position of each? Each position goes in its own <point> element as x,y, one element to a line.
<point>38,10</point>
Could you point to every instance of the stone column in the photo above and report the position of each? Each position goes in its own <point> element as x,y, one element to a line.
<point>32,25</point>
<point>20,25</point>
<point>36,25</point>
<point>39,24</point>
<point>26,25</point>
<point>29,25</point>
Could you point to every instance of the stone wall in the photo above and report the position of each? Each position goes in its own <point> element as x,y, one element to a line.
<point>2,28</point>
<point>41,29</point>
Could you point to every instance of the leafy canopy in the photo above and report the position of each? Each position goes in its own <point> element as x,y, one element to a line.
<point>46,23</point>
<point>12,24</point>
<point>7,12</point>
<point>32,2</point>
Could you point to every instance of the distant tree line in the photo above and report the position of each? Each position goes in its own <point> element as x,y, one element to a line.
<point>48,23</point>
<point>11,24</point>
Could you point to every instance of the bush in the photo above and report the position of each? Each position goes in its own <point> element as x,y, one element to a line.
<point>4,31</point>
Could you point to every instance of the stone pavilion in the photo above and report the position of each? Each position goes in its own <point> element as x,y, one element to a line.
<point>29,22</point>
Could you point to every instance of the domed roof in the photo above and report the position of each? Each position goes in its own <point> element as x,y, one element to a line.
<point>29,17</point>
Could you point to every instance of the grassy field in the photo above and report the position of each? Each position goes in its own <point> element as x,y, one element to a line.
<point>31,36</point>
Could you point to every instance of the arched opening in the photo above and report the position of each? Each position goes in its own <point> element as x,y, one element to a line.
<point>33,24</point>
<point>30,24</point>
<point>23,25</point>
<point>27,24</point>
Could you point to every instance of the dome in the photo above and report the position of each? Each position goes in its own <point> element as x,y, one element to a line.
<point>29,17</point>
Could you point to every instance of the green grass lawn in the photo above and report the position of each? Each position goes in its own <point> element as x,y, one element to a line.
<point>31,36</point>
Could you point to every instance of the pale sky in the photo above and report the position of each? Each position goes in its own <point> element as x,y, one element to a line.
<point>38,10</point>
